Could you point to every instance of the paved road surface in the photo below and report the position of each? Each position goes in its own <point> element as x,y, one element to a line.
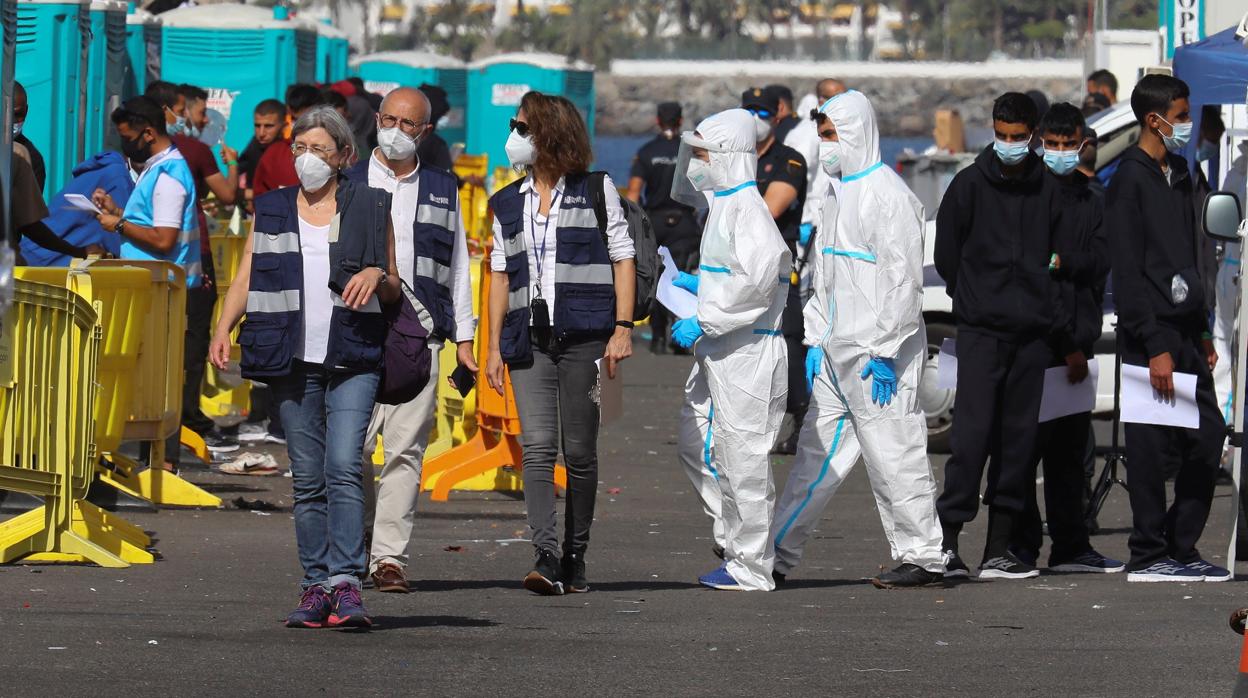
<point>206,619</point>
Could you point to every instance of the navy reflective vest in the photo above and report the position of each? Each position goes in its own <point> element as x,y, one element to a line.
<point>584,302</point>
<point>274,320</point>
<point>433,231</point>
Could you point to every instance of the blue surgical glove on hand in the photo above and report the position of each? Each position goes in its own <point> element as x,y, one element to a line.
<point>687,281</point>
<point>803,233</point>
<point>685,332</point>
<point>814,366</point>
<point>885,386</point>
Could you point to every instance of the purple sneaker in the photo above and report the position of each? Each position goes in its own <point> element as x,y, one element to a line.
<point>313,611</point>
<point>348,608</point>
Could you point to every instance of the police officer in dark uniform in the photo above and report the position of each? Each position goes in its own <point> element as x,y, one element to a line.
<point>675,225</point>
<point>781,178</point>
<point>784,108</point>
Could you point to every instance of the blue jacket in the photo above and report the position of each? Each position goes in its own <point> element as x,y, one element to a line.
<point>108,171</point>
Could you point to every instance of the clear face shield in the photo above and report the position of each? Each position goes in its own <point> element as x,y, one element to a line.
<point>683,188</point>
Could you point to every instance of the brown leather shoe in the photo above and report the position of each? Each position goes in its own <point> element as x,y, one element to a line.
<point>389,577</point>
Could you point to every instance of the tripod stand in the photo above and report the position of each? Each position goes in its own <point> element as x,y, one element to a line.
<point>1109,474</point>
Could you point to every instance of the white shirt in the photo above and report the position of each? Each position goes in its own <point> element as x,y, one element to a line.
<point>318,303</point>
<point>406,193</point>
<point>536,227</point>
<point>168,197</point>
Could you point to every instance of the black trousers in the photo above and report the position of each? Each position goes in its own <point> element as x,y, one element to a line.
<point>1159,532</point>
<point>998,404</point>
<point>1062,445</point>
<point>199,304</point>
<point>794,332</point>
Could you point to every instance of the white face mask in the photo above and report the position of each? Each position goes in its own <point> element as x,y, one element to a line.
<point>396,145</point>
<point>830,157</point>
<point>762,129</point>
<point>313,172</point>
<point>520,150</point>
<point>705,176</point>
<point>17,128</point>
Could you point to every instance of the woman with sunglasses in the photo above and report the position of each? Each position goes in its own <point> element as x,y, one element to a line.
<point>561,300</point>
<point>319,262</point>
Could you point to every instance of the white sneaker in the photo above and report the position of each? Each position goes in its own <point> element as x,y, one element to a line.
<point>252,432</point>
<point>251,464</point>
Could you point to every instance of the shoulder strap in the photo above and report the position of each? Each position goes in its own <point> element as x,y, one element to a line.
<point>597,189</point>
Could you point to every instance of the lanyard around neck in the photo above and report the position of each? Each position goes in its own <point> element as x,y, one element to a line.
<point>535,203</point>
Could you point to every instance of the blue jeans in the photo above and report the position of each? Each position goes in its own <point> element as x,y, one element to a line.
<point>325,416</point>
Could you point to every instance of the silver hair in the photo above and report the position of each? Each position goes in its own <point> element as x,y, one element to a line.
<point>328,118</point>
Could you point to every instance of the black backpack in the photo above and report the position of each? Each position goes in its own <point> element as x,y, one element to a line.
<point>645,244</point>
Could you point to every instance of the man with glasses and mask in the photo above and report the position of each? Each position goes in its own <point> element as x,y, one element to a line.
<point>432,256</point>
<point>781,179</point>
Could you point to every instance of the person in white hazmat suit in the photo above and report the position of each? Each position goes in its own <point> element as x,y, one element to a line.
<point>1236,182</point>
<point>739,385</point>
<point>864,325</point>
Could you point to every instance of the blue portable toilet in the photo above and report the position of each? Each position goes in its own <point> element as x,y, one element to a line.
<point>53,39</point>
<point>496,84</point>
<point>332,48</point>
<point>240,54</point>
<point>143,50</point>
<point>385,71</point>
<point>107,65</point>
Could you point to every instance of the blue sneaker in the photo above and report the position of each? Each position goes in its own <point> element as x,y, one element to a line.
<point>348,608</point>
<point>1212,572</point>
<point>313,611</point>
<point>1167,570</point>
<point>1090,561</point>
<point>719,579</point>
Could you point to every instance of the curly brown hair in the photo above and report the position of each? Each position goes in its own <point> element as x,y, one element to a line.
<point>559,135</point>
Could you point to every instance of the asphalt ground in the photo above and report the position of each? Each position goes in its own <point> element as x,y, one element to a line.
<point>206,618</point>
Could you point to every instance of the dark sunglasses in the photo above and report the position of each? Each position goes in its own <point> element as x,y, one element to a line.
<point>760,113</point>
<point>520,127</point>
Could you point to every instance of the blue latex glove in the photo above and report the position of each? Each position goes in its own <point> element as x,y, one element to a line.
<point>814,366</point>
<point>685,332</point>
<point>885,386</point>
<point>803,233</point>
<point>687,281</point>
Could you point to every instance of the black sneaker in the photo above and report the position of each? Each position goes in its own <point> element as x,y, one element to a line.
<point>778,578</point>
<point>574,574</point>
<point>907,575</point>
<point>954,567</point>
<point>546,577</point>
<point>1006,567</point>
<point>718,551</point>
<point>219,443</point>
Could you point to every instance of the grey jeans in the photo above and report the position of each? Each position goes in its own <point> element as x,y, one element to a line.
<point>557,395</point>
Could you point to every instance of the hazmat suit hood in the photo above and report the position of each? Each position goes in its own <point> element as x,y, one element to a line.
<point>806,105</point>
<point>733,131</point>
<point>854,118</point>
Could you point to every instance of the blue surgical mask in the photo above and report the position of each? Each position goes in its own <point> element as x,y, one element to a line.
<point>1062,162</point>
<point>1206,151</point>
<point>1178,141</point>
<point>17,128</point>
<point>178,127</point>
<point>1011,153</point>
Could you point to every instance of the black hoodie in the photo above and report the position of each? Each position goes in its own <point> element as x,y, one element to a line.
<point>993,246</point>
<point>1154,240</point>
<point>1082,244</point>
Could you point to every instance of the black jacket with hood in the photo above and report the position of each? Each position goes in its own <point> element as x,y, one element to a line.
<point>993,247</point>
<point>1156,247</point>
<point>1082,244</point>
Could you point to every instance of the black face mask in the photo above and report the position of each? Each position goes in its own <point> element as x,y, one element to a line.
<point>136,149</point>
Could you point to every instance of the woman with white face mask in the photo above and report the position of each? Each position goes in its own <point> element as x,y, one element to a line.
<point>318,264</point>
<point>561,300</point>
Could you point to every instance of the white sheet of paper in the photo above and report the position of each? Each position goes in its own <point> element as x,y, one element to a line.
<point>1061,399</point>
<point>947,366</point>
<point>610,393</point>
<point>82,203</point>
<point>1142,405</point>
<point>682,303</point>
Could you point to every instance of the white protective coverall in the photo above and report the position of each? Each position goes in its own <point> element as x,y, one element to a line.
<point>739,385</point>
<point>867,303</point>
<point>1228,293</point>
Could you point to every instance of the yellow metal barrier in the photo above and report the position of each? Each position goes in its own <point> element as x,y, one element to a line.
<point>52,343</point>
<point>225,394</point>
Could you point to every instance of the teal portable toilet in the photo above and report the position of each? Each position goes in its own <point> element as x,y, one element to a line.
<point>241,54</point>
<point>385,71</point>
<point>107,65</point>
<point>332,48</point>
<point>51,50</point>
<point>143,50</point>
<point>496,84</point>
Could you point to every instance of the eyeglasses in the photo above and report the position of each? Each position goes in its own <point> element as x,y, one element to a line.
<point>520,127</point>
<point>390,121</point>
<point>321,152</point>
<point>760,113</point>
